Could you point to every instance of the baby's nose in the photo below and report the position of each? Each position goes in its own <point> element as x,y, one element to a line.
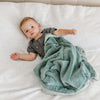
<point>30,30</point>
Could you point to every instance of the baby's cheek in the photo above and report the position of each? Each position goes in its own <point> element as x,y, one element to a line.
<point>34,29</point>
<point>38,30</point>
<point>28,35</point>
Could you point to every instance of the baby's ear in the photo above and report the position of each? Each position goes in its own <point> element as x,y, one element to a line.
<point>39,25</point>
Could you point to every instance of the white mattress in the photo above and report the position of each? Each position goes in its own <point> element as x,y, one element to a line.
<point>17,80</point>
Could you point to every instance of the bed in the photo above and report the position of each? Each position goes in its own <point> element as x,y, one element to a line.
<point>17,80</point>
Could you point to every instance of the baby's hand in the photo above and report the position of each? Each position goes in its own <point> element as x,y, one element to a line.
<point>15,56</point>
<point>74,32</point>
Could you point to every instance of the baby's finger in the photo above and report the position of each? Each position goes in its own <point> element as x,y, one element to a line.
<point>13,54</point>
<point>12,57</point>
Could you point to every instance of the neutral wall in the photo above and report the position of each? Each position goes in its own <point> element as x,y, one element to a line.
<point>72,2</point>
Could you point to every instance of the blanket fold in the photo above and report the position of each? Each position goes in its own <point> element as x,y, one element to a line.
<point>64,68</point>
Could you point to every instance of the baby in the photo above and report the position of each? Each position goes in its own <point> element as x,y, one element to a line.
<point>31,29</point>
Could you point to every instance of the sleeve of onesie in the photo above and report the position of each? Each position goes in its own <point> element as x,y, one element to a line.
<point>30,48</point>
<point>49,30</point>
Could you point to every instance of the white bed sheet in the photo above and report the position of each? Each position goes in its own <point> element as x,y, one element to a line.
<point>17,80</point>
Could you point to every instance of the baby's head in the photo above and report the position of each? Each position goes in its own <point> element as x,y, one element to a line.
<point>30,27</point>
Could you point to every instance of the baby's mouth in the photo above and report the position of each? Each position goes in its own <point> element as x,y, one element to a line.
<point>32,33</point>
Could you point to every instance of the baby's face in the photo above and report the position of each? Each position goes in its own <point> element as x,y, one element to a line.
<point>30,28</point>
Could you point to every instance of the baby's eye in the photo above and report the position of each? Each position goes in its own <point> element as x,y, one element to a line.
<point>26,31</point>
<point>32,26</point>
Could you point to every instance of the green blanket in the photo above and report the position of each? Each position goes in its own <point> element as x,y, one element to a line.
<point>64,68</point>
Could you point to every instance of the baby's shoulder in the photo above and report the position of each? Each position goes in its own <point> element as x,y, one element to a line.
<point>49,30</point>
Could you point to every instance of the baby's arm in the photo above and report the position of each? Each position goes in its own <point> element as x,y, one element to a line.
<point>27,57</point>
<point>62,32</point>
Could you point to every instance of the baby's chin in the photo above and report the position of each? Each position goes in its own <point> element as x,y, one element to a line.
<point>31,38</point>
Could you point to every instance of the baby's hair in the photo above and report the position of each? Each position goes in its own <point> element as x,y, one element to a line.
<point>25,19</point>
